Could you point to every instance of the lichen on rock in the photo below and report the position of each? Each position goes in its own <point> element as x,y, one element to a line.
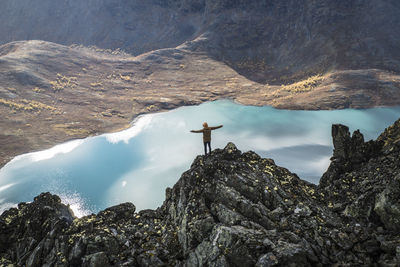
<point>231,209</point>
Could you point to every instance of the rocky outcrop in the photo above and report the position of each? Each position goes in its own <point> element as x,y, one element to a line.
<point>349,152</point>
<point>365,188</point>
<point>232,209</point>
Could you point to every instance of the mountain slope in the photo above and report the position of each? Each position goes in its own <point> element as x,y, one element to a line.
<point>288,54</point>
<point>284,41</point>
<point>51,93</point>
<point>136,26</point>
<point>231,209</point>
<point>267,41</point>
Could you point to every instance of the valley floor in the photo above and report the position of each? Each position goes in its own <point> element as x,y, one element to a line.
<point>51,93</point>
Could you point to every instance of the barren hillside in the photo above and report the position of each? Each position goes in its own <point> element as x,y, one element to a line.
<point>155,55</point>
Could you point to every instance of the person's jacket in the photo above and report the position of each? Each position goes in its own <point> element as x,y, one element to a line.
<point>206,132</point>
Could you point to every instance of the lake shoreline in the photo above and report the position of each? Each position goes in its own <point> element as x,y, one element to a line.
<point>111,125</point>
<point>137,164</point>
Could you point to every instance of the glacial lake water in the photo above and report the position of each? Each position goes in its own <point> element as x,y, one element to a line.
<point>139,163</point>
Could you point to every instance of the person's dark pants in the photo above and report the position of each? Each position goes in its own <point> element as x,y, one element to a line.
<point>205,147</point>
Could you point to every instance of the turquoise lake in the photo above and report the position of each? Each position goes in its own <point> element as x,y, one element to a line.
<point>139,163</point>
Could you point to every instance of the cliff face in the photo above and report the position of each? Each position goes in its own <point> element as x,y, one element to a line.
<point>232,209</point>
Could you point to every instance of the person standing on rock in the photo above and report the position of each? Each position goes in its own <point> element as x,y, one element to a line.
<point>206,135</point>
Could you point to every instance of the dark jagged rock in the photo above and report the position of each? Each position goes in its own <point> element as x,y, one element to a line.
<point>349,152</point>
<point>232,209</point>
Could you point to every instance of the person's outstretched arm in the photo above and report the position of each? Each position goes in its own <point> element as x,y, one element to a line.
<point>216,127</point>
<point>196,131</point>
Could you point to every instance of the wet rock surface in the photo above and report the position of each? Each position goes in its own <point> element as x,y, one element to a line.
<point>232,209</point>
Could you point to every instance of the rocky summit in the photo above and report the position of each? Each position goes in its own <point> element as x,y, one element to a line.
<point>232,209</point>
